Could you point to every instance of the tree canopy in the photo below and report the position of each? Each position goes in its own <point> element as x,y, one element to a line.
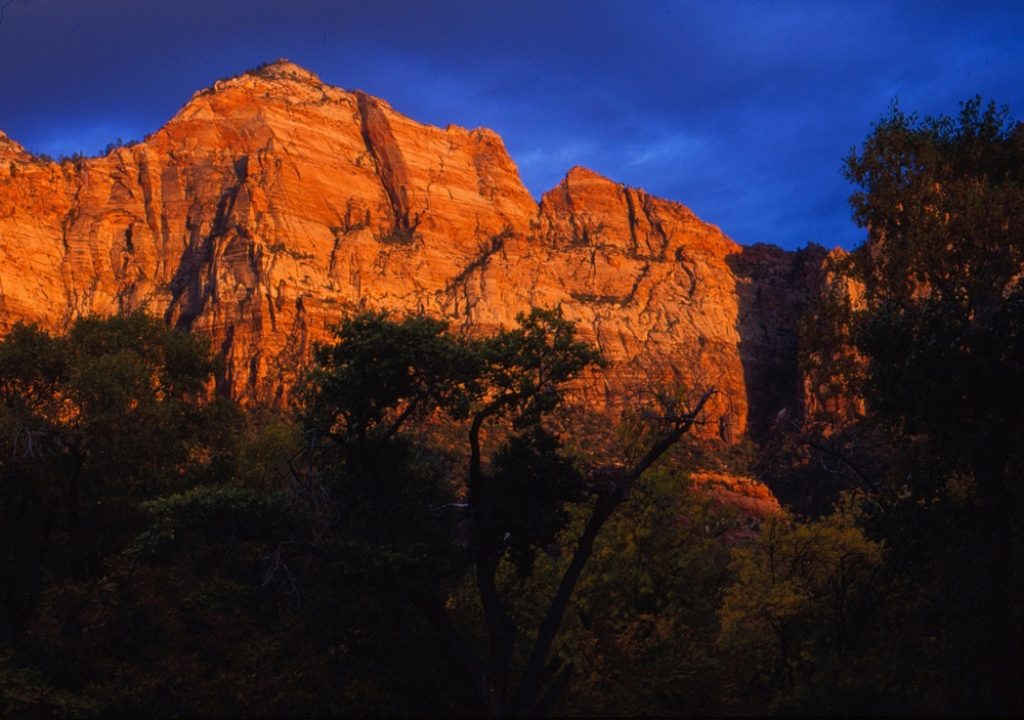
<point>434,529</point>
<point>933,323</point>
<point>942,326</point>
<point>369,386</point>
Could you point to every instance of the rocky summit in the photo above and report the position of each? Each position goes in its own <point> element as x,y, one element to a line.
<point>273,204</point>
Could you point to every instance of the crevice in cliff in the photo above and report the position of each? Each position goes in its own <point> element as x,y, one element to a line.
<point>129,244</point>
<point>579,234</point>
<point>494,245</point>
<point>636,285</point>
<point>403,227</point>
<point>685,264</point>
<point>659,230</point>
<point>332,261</point>
<point>189,295</point>
<point>72,305</point>
<point>146,185</point>
<point>65,224</point>
<point>773,289</point>
<point>631,215</point>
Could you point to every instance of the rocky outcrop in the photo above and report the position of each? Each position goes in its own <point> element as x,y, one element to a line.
<point>774,289</point>
<point>272,204</point>
<point>750,500</point>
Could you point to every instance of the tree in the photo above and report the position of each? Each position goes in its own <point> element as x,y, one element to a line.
<point>642,628</point>
<point>943,323</point>
<point>940,329</point>
<point>800,619</point>
<point>92,423</point>
<point>128,542</point>
<point>389,481</point>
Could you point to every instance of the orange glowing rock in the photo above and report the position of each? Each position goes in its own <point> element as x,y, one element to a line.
<point>272,204</point>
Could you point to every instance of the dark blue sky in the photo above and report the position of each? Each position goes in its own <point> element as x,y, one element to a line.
<point>741,110</point>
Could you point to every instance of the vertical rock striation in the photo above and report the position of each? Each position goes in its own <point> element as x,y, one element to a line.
<point>272,204</point>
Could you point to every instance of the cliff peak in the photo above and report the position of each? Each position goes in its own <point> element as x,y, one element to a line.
<point>8,147</point>
<point>284,69</point>
<point>280,78</point>
<point>578,173</point>
<point>273,204</point>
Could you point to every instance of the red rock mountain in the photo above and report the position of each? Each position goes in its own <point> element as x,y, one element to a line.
<point>272,204</point>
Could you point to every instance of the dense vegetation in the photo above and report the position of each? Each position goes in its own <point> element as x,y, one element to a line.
<point>434,530</point>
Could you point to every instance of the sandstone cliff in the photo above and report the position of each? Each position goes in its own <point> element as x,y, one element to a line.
<point>272,204</point>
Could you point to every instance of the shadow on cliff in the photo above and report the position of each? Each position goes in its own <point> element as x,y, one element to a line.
<point>193,283</point>
<point>774,288</point>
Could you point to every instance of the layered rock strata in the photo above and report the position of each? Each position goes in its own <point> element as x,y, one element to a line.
<point>273,204</point>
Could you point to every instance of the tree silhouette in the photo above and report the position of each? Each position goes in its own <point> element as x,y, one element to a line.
<point>379,377</point>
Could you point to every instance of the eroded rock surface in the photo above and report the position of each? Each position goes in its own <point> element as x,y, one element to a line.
<point>272,204</point>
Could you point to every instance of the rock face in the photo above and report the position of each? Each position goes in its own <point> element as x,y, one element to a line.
<point>748,497</point>
<point>272,204</point>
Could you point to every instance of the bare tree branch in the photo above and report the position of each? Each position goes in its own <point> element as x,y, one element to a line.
<point>531,683</point>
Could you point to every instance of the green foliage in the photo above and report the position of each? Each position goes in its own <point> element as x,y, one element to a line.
<point>531,484</point>
<point>801,613</point>
<point>115,556</point>
<point>205,513</point>
<point>168,552</point>
<point>943,327</point>
<point>265,449</point>
<point>643,624</point>
<point>372,391</point>
<point>529,365</point>
<point>379,369</point>
<point>924,321</point>
<point>93,422</point>
<point>932,337</point>
<point>408,516</point>
<point>425,535</point>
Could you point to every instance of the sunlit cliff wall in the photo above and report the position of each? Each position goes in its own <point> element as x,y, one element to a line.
<point>272,204</point>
